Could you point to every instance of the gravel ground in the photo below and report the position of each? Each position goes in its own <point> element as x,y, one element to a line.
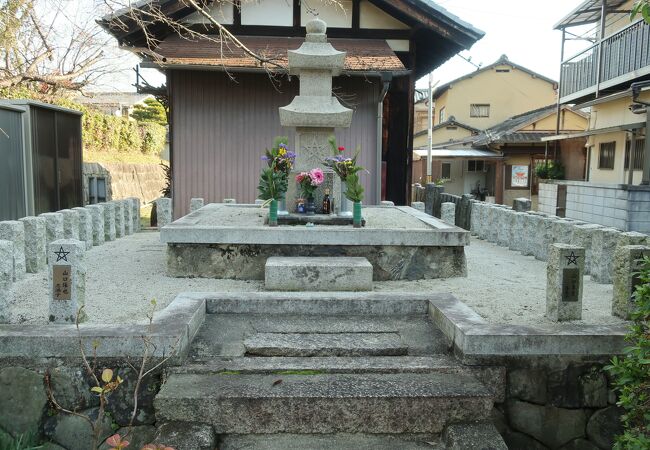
<point>124,275</point>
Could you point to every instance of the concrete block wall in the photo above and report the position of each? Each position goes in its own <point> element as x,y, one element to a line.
<point>547,198</point>
<point>145,181</point>
<point>619,206</point>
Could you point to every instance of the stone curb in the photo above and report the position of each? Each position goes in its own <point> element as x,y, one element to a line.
<point>177,323</point>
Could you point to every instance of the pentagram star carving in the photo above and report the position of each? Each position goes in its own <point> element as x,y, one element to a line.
<point>572,258</point>
<point>61,255</point>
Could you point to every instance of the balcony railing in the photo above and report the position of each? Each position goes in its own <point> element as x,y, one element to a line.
<point>624,56</point>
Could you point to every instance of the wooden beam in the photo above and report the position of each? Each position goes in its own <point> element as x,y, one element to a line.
<point>237,13</point>
<point>297,14</point>
<point>356,14</point>
<point>267,30</point>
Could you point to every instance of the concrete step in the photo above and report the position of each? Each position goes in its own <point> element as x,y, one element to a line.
<point>325,344</point>
<point>328,442</point>
<point>317,274</point>
<point>324,403</point>
<point>475,436</point>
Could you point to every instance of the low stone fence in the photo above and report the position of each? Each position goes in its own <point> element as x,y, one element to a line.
<point>24,242</point>
<point>435,196</point>
<point>531,233</point>
<point>144,181</point>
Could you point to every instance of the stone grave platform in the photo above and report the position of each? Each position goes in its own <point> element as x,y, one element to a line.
<point>231,241</point>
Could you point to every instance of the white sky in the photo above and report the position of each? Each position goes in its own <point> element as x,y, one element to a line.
<point>521,29</point>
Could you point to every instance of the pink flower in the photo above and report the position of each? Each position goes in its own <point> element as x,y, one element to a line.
<point>300,177</point>
<point>341,149</point>
<point>316,176</point>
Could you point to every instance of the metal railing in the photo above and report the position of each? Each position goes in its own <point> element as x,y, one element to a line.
<point>622,53</point>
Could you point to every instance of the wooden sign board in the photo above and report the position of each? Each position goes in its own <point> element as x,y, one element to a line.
<point>62,282</point>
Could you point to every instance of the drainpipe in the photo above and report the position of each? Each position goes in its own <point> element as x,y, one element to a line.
<point>386,78</point>
<point>636,91</point>
<point>601,38</point>
<point>630,160</point>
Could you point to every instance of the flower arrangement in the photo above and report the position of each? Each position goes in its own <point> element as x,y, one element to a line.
<point>347,170</point>
<point>309,181</point>
<point>274,179</point>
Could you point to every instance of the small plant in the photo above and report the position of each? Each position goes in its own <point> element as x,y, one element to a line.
<point>274,179</point>
<point>631,372</point>
<point>641,7</point>
<point>347,170</point>
<point>167,190</point>
<point>309,181</point>
<point>550,170</point>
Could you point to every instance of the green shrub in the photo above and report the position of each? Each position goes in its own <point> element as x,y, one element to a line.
<point>631,373</point>
<point>550,170</point>
<point>153,137</point>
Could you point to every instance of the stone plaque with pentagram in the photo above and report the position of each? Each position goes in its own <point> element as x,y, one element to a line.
<point>570,285</point>
<point>62,282</point>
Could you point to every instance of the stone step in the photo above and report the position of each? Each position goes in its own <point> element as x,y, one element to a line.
<point>323,365</point>
<point>328,442</point>
<point>317,274</point>
<point>324,403</point>
<point>325,344</point>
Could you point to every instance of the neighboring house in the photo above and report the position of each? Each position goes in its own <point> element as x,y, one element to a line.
<point>500,161</point>
<point>611,78</point>
<point>600,78</point>
<point>220,126</point>
<point>118,104</point>
<point>490,123</point>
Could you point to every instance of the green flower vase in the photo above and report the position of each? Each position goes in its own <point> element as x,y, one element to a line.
<point>273,213</point>
<point>356,215</point>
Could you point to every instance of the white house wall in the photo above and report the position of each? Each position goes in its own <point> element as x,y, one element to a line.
<point>372,17</point>
<point>222,12</point>
<point>267,12</point>
<point>336,16</point>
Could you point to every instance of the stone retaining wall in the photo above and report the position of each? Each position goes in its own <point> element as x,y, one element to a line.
<point>435,196</point>
<point>532,233</point>
<point>144,181</point>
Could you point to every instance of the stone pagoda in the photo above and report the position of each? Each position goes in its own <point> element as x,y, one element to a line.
<point>315,112</point>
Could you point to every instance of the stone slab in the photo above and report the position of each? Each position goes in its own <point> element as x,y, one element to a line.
<point>521,204</point>
<point>334,403</point>
<point>628,261</point>
<point>6,277</point>
<point>97,214</point>
<point>475,436</point>
<point>53,226</point>
<point>110,232</point>
<point>14,231</point>
<point>35,244</point>
<point>315,344</point>
<point>448,213</point>
<point>70,224</point>
<point>318,274</point>
<point>316,219</point>
<point>325,442</point>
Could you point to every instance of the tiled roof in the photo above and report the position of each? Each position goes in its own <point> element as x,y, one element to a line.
<point>362,54</point>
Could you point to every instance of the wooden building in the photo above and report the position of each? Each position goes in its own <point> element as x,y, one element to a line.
<point>224,107</point>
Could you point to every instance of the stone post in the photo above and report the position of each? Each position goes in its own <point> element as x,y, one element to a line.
<point>632,238</point>
<point>545,238</point>
<point>564,281</point>
<point>492,232</point>
<point>505,225</point>
<point>628,261</point>
<point>70,224</point>
<point>97,214</point>
<point>135,204</point>
<point>518,232</point>
<point>35,243</point>
<point>582,236</point>
<point>521,205</point>
<point>128,216</point>
<point>67,272</point>
<point>603,248</point>
<point>531,240</point>
<point>387,203</point>
<point>464,212</point>
<point>53,226</point>
<point>448,213</point>
<point>109,221</point>
<point>230,201</point>
<point>481,221</point>
<point>120,227</point>
<point>418,205</point>
<point>429,197</point>
<point>164,211</point>
<point>196,204</point>
<point>562,231</point>
<point>14,231</point>
<point>85,226</point>
<point>6,277</point>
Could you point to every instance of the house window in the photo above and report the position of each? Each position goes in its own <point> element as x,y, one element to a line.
<point>479,110</point>
<point>96,190</point>
<point>503,70</point>
<point>474,165</point>
<point>638,154</point>
<point>606,155</point>
<point>446,171</point>
<point>441,117</point>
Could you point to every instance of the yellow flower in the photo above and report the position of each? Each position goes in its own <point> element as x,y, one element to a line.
<point>282,152</point>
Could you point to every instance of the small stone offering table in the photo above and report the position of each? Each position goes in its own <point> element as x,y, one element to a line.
<point>231,241</point>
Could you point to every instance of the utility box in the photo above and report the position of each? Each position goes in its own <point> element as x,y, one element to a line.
<point>41,145</point>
